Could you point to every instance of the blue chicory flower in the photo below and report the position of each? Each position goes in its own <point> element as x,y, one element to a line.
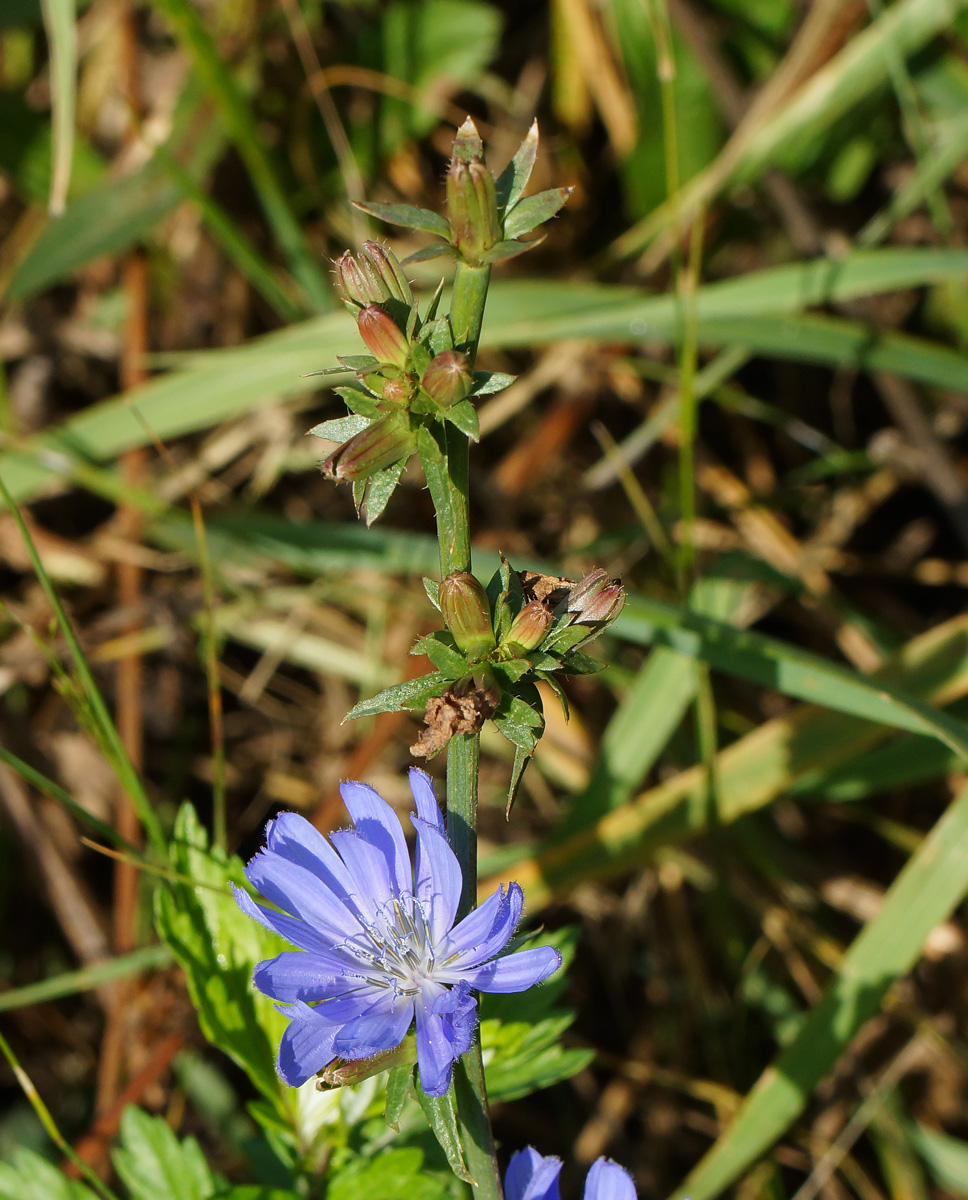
<point>377,943</point>
<point>533,1176</point>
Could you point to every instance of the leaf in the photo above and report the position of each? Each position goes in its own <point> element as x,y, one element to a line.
<point>508,249</point>
<point>409,216</point>
<point>217,946</point>
<point>434,250</point>
<point>514,178</point>
<point>463,415</point>
<point>441,1113</point>
<point>432,588</point>
<point>399,1090</point>
<point>152,1162</point>
<point>924,894</point>
<point>520,719</point>
<point>28,1176</point>
<point>341,429</point>
<point>521,759</point>
<point>60,24</point>
<point>379,488</point>
<point>946,1157</point>
<point>410,694</point>
<point>486,383</point>
<point>534,211</point>
<point>393,1175</point>
<point>439,648</point>
<point>359,401</point>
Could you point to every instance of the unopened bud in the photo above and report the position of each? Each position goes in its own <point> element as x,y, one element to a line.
<point>467,614</point>
<point>358,287</point>
<point>471,198</point>
<point>385,441</point>
<point>397,391</point>
<point>448,379</point>
<point>594,600</point>
<point>385,340</point>
<point>387,266</point>
<point>529,627</point>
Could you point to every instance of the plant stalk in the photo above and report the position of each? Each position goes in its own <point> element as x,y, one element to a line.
<point>463,752</point>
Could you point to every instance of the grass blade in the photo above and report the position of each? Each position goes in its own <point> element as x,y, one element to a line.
<point>60,24</point>
<point>87,978</point>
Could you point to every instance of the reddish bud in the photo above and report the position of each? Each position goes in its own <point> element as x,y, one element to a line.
<point>448,379</point>
<point>595,600</point>
<point>387,267</point>
<point>385,441</point>
<point>467,614</point>
<point>373,278</point>
<point>384,338</point>
<point>528,628</point>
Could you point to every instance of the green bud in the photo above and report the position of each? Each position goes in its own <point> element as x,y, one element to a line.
<point>387,266</point>
<point>528,628</point>
<point>467,614</point>
<point>385,441</point>
<point>448,379</point>
<point>384,339</point>
<point>475,226</point>
<point>375,277</point>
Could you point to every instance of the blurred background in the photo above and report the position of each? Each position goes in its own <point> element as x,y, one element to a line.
<point>741,386</point>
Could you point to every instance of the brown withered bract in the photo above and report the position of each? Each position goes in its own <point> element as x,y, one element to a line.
<point>548,588</point>
<point>459,710</point>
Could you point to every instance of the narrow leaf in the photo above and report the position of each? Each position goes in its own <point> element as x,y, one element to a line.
<point>408,215</point>
<point>441,1113</point>
<point>534,211</point>
<point>339,430</point>
<point>514,178</point>
<point>463,416</point>
<point>411,693</point>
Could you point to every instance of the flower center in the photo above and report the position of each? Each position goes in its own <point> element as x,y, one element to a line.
<point>399,949</point>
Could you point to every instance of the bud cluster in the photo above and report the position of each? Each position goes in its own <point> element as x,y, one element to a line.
<point>497,644</point>
<point>412,375</point>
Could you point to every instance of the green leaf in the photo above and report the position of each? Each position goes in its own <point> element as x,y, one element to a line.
<point>514,178</point>
<point>486,383</point>
<point>463,416</point>
<point>341,429</point>
<point>392,1175</point>
<point>508,249</point>
<point>432,588</point>
<point>358,400</point>
<point>379,488</point>
<point>439,648</point>
<point>60,24</point>
<point>441,1113</point>
<point>29,1177</point>
<point>409,216</point>
<point>521,759</point>
<point>520,719</point>
<point>411,693</point>
<point>152,1162</point>
<point>946,1157</point>
<point>217,946</point>
<point>399,1090</point>
<point>434,250</point>
<point>925,893</point>
<point>534,211</point>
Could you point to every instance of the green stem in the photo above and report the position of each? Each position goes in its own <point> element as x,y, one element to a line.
<point>463,752</point>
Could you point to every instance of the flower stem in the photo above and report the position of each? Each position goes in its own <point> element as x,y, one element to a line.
<point>463,752</point>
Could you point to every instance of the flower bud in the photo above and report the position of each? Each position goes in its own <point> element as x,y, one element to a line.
<point>448,379</point>
<point>384,338</point>
<point>389,271</point>
<point>528,628</point>
<point>385,441</point>
<point>467,614</point>
<point>397,391</point>
<point>471,198</point>
<point>595,600</point>
<point>358,287</point>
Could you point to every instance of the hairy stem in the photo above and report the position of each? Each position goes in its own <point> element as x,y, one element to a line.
<point>463,753</point>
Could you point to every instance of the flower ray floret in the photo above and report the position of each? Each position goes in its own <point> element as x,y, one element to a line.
<point>378,945</point>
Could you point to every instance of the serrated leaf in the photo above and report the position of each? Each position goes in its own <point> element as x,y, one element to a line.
<point>514,178</point>
<point>534,211</point>
<point>341,429</point>
<point>379,489</point>
<point>439,648</point>
<point>441,1113</point>
<point>399,1090</point>
<point>152,1162</point>
<point>520,721</point>
<point>407,215</point>
<point>463,416</point>
<point>410,694</point>
<point>486,383</point>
